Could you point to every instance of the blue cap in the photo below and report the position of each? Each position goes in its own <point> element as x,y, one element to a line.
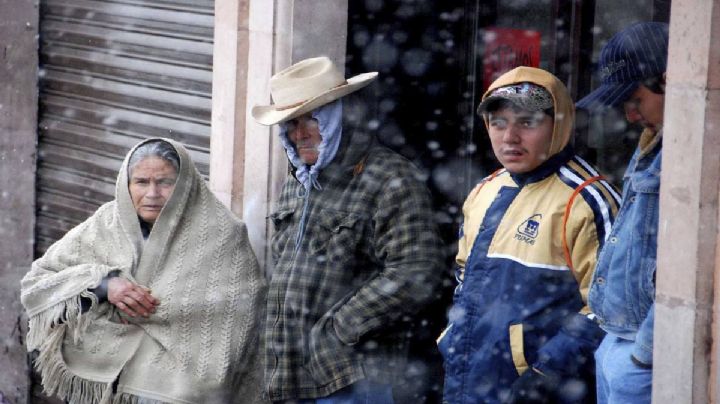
<point>634,54</point>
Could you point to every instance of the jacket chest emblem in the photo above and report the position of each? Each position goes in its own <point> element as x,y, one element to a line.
<point>529,229</point>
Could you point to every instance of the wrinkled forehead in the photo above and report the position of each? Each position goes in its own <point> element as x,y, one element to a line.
<point>153,166</point>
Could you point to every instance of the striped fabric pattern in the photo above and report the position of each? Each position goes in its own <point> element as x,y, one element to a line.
<point>602,198</point>
<point>636,53</point>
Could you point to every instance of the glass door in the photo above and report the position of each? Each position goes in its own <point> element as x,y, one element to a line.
<point>435,60</point>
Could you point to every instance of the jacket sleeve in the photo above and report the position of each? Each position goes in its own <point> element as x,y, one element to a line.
<point>463,252</point>
<point>643,348</point>
<point>57,289</point>
<point>406,243</point>
<point>580,335</point>
<point>466,236</point>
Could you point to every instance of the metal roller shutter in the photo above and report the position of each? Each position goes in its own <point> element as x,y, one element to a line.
<point>114,72</point>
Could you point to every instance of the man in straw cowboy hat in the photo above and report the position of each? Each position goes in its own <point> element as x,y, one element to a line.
<point>355,249</point>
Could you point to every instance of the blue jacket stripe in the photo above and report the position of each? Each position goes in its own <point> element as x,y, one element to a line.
<point>594,173</point>
<point>616,197</point>
<point>603,220</point>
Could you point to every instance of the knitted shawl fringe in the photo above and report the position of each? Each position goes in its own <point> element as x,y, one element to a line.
<point>57,378</point>
<point>64,316</point>
<point>59,381</point>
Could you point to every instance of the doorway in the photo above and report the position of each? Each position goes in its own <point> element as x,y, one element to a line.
<point>435,60</point>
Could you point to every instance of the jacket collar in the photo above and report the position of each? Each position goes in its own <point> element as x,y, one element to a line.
<point>545,169</point>
<point>649,140</point>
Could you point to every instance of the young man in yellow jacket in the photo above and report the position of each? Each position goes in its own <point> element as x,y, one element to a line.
<point>520,329</point>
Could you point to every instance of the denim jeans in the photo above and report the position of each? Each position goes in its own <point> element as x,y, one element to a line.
<point>619,380</point>
<point>362,392</point>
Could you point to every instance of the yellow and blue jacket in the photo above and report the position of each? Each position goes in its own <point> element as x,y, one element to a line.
<point>526,255</point>
<point>519,302</point>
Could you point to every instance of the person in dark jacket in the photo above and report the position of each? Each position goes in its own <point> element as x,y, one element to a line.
<point>519,330</point>
<point>355,249</point>
<point>622,294</point>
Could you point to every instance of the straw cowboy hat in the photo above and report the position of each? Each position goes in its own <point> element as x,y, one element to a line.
<point>305,86</point>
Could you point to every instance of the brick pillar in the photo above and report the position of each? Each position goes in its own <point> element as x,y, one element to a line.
<point>686,348</point>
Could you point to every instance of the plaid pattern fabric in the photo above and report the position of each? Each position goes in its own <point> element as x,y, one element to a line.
<point>370,255</point>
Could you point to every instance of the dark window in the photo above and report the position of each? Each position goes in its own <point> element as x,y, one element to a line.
<point>435,60</point>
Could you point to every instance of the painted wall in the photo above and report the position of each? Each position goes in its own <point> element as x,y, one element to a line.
<point>18,123</point>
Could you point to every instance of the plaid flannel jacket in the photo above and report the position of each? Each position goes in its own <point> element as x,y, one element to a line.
<point>370,255</point>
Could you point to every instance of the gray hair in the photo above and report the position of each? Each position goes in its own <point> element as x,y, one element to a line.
<point>156,148</point>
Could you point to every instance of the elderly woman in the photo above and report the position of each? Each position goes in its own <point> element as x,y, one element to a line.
<point>156,298</point>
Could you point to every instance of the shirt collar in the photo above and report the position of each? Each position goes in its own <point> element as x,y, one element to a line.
<point>545,169</point>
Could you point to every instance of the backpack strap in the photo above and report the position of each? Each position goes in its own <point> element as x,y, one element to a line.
<point>566,249</point>
<point>490,177</point>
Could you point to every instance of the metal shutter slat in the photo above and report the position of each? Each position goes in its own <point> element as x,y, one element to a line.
<point>114,72</point>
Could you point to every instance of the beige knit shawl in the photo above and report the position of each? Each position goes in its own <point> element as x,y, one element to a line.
<point>201,346</point>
